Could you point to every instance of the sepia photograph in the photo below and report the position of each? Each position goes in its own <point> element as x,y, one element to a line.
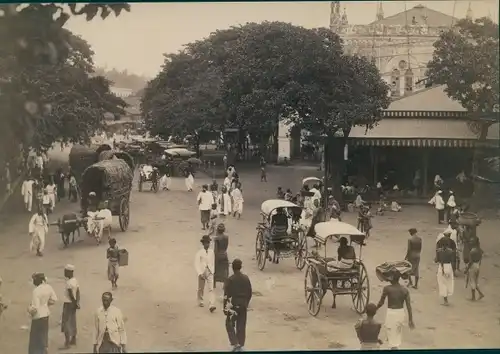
<point>249,176</point>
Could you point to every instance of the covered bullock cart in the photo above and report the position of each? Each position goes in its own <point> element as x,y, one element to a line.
<point>111,180</point>
<point>111,154</point>
<point>81,157</point>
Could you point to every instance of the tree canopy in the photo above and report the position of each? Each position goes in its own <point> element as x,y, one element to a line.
<point>466,60</point>
<point>47,88</point>
<point>251,76</point>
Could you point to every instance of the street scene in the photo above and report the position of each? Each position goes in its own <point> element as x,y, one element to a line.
<point>271,182</point>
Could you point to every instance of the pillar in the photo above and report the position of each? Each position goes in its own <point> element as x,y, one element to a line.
<point>425,172</point>
<point>402,84</point>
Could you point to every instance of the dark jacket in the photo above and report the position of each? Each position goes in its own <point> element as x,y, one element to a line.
<point>238,290</point>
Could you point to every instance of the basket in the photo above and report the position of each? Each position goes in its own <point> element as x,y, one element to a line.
<point>386,270</point>
<point>468,219</point>
<point>123,258</point>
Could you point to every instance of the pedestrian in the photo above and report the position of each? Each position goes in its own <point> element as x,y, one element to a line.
<point>368,330</point>
<point>224,161</point>
<point>214,216</point>
<point>46,202</point>
<point>60,178</point>
<point>413,256</point>
<point>113,256</point>
<point>288,195</point>
<point>280,194</point>
<point>165,182</point>
<point>8,179</point>
<point>3,305</point>
<point>224,202</point>
<point>70,306</point>
<point>237,296</point>
<point>221,243</point>
<point>38,228</point>
<point>204,264</point>
<point>27,193</point>
<point>397,296</point>
<point>43,297</point>
<point>450,205</point>
<point>445,255</point>
<point>238,200</point>
<point>51,190</point>
<point>189,179</point>
<point>263,174</point>
<point>472,270</point>
<point>205,201</point>
<point>73,188</point>
<point>110,335</point>
<point>439,205</point>
<point>227,181</point>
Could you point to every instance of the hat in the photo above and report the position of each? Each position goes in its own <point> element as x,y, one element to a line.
<point>69,267</point>
<point>439,192</point>
<point>205,238</point>
<point>107,294</point>
<point>451,192</point>
<point>92,194</point>
<point>447,232</point>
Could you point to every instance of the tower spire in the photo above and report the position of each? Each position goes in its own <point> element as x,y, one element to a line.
<point>344,20</point>
<point>335,16</point>
<point>469,13</point>
<point>380,11</point>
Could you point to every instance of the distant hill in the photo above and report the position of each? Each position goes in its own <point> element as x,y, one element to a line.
<point>123,79</point>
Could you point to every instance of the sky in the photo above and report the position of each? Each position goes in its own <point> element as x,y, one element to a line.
<point>136,41</point>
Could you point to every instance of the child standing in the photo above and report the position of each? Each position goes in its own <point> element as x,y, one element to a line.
<point>368,329</point>
<point>280,194</point>
<point>213,219</point>
<point>113,256</point>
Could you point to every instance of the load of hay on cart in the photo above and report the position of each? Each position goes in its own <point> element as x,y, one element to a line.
<point>111,181</point>
<point>326,273</point>
<point>281,235</point>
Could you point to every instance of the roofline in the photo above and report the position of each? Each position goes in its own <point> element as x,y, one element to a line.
<point>402,12</point>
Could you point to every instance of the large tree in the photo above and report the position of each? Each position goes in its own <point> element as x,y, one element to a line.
<point>47,88</point>
<point>466,60</point>
<point>272,71</point>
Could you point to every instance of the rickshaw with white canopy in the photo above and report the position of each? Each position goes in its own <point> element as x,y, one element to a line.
<point>311,181</point>
<point>323,273</point>
<point>283,240</point>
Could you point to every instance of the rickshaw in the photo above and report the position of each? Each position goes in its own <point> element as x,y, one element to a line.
<point>149,173</point>
<point>282,242</point>
<point>311,181</point>
<point>322,274</point>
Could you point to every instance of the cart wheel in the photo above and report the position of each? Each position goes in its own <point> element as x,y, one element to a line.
<point>313,290</point>
<point>301,252</point>
<point>260,250</point>
<point>140,184</point>
<point>124,216</point>
<point>362,286</point>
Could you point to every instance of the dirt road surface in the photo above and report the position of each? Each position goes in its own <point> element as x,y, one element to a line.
<point>157,291</point>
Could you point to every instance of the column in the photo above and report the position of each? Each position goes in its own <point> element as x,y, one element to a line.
<point>402,84</point>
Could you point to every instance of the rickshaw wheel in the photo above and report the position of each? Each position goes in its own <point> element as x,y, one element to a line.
<point>313,290</point>
<point>362,295</point>
<point>301,251</point>
<point>260,250</point>
<point>140,183</point>
<point>124,216</point>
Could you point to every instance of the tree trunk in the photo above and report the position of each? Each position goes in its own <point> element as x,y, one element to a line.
<point>481,198</point>
<point>335,165</point>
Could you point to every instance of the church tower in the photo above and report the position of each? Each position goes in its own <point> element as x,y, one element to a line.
<point>335,17</point>
<point>469,13</point>
<point>380,11</point>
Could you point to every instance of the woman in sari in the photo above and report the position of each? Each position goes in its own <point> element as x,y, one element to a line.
<point>221,243</point>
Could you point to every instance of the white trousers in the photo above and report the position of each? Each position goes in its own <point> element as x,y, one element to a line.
<point>238,206</point>
<point>206,279</point>
<point>38,240</point>
<point>189,183</point>
<point>28,201</point>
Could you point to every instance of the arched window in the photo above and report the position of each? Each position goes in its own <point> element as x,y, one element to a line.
<point>408,81</point>
<point>395,82</point>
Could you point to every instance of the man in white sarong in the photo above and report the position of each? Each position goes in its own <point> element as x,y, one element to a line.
<point>27,193</point>
<point>397,296</point>
<point>445,256</point>
<point>439,204</point>
<point>38,228</point>
<point>165,182</point>
<point>237,201</point>
<point>189,180</point>
<point>227,182</point>
<point>224,202</point>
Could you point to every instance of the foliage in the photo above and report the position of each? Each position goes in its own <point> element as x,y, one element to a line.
<point>123,78</point>
<point>261,73</point>
<point>466,60</point>
<point>47,92</point>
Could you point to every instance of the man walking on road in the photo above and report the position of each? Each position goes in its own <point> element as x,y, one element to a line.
<point>397,296</point>
<point>237,296</point>
<point>413,256</point>
<point>110,336</point>
<point>204,264</point>
<point>71,304</point>
<point>43,297</point>
<point>205,201</point>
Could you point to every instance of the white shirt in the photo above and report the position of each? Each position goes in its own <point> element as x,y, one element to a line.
<point>112,321</point>
<point>204,259</point>
<point>451,201</point>
<point>38,221</point>
<point>205,200</point>
<point>39,161</point>
<point>439,202</point>
<point>43,297</point>
<point>317,194</point>
<point>237,195</point>
<point>71,284</point>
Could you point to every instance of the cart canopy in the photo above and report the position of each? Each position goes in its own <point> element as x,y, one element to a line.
<point>272,204</point>
<point>335,229</point>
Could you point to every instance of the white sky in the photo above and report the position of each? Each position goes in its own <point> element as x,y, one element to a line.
<point>137,40</point>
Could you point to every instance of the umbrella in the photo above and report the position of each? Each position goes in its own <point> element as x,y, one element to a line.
<point>194,160</point>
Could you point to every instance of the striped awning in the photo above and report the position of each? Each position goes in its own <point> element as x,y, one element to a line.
<point>445,143</point>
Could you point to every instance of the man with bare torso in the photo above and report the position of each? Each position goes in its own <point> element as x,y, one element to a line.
<point>397,295</point>
<point>413,256</point>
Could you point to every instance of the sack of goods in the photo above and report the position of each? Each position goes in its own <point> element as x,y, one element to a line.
<point>387,270</point>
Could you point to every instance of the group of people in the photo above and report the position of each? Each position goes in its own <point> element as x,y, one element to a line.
<point>212,267</point>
